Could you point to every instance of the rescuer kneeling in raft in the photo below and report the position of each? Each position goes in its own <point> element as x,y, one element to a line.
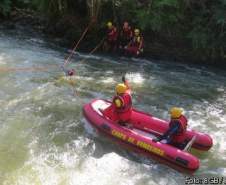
<point>121,108</point>
<point>177,127</point>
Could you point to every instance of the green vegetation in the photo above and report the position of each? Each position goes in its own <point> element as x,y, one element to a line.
<point>5,7</point>
<point>198,26</point>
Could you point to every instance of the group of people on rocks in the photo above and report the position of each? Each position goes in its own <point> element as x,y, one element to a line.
<point>127,41</point>
<point>121,110</point>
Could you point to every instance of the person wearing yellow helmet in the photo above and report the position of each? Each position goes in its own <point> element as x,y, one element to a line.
<point>175,112</point>
<point>121,109</point>
<point>110,43</point>
<point>136,45</point>
<point>120,88</point>
<point>136,32</point>
<point>177,128</point>
<point>109,24</point>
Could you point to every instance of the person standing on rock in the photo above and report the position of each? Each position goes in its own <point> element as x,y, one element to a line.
<point>110,43</point>
<point>136,45</point>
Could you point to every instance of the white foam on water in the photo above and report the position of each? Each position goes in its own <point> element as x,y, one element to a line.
<point>110,169</point>
<point>140,60</point>
<point>108,80</point>
<point>215,172</point>
<point>89,128</point>
<point>26,61</point>
<point>193,69</point>
<point>85,56</point>
<point>109,72</point>
<point>220,89</point>
<point>84,78</point>
<point>220,142</point>
<point>2,59</point>
<point>136,78</point>
<point>36,40</point>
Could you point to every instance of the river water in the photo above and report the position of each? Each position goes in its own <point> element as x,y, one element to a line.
<point>46,141</point>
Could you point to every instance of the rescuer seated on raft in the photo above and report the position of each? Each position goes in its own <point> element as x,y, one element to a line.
<point>125,36</point>
<point>121,108</point>
<point>122,103</point>
<point>110,43</point>
<point>177,127</point>
<point>135,47</point>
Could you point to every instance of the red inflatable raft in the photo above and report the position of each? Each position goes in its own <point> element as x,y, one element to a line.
<point>140,136</point>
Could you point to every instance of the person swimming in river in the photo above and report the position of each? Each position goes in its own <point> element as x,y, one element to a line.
<point>68,78</point>
<point>68,72</point>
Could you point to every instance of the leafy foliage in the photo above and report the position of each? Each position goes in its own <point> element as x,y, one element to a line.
<point>201,25</point>
<point>5,7</point>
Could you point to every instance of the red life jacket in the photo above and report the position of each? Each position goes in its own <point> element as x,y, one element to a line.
<point>126,34</point>
<point>182,120</point>
<point>126,102</point>
<point>138,41</point>
<point>112,34</point>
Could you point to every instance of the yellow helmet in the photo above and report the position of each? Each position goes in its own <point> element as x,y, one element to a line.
<point>109,24</point>
<point>175,112</point>
<point>121,88</point>
<point>137,31</point>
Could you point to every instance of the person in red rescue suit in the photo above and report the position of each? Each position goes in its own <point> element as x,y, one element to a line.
<point>177,129</point>
<point>125,36</point>
<point>136,45</point>
<point>121,108</point>
<point>110,43</point>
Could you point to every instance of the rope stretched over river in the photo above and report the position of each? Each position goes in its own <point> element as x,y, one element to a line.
<point>67,60</point>
<point>46,67</point>
<point>77,44</point>
<point>94,49</point>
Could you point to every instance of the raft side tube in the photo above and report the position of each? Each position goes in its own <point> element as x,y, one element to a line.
<point>143,143</point>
